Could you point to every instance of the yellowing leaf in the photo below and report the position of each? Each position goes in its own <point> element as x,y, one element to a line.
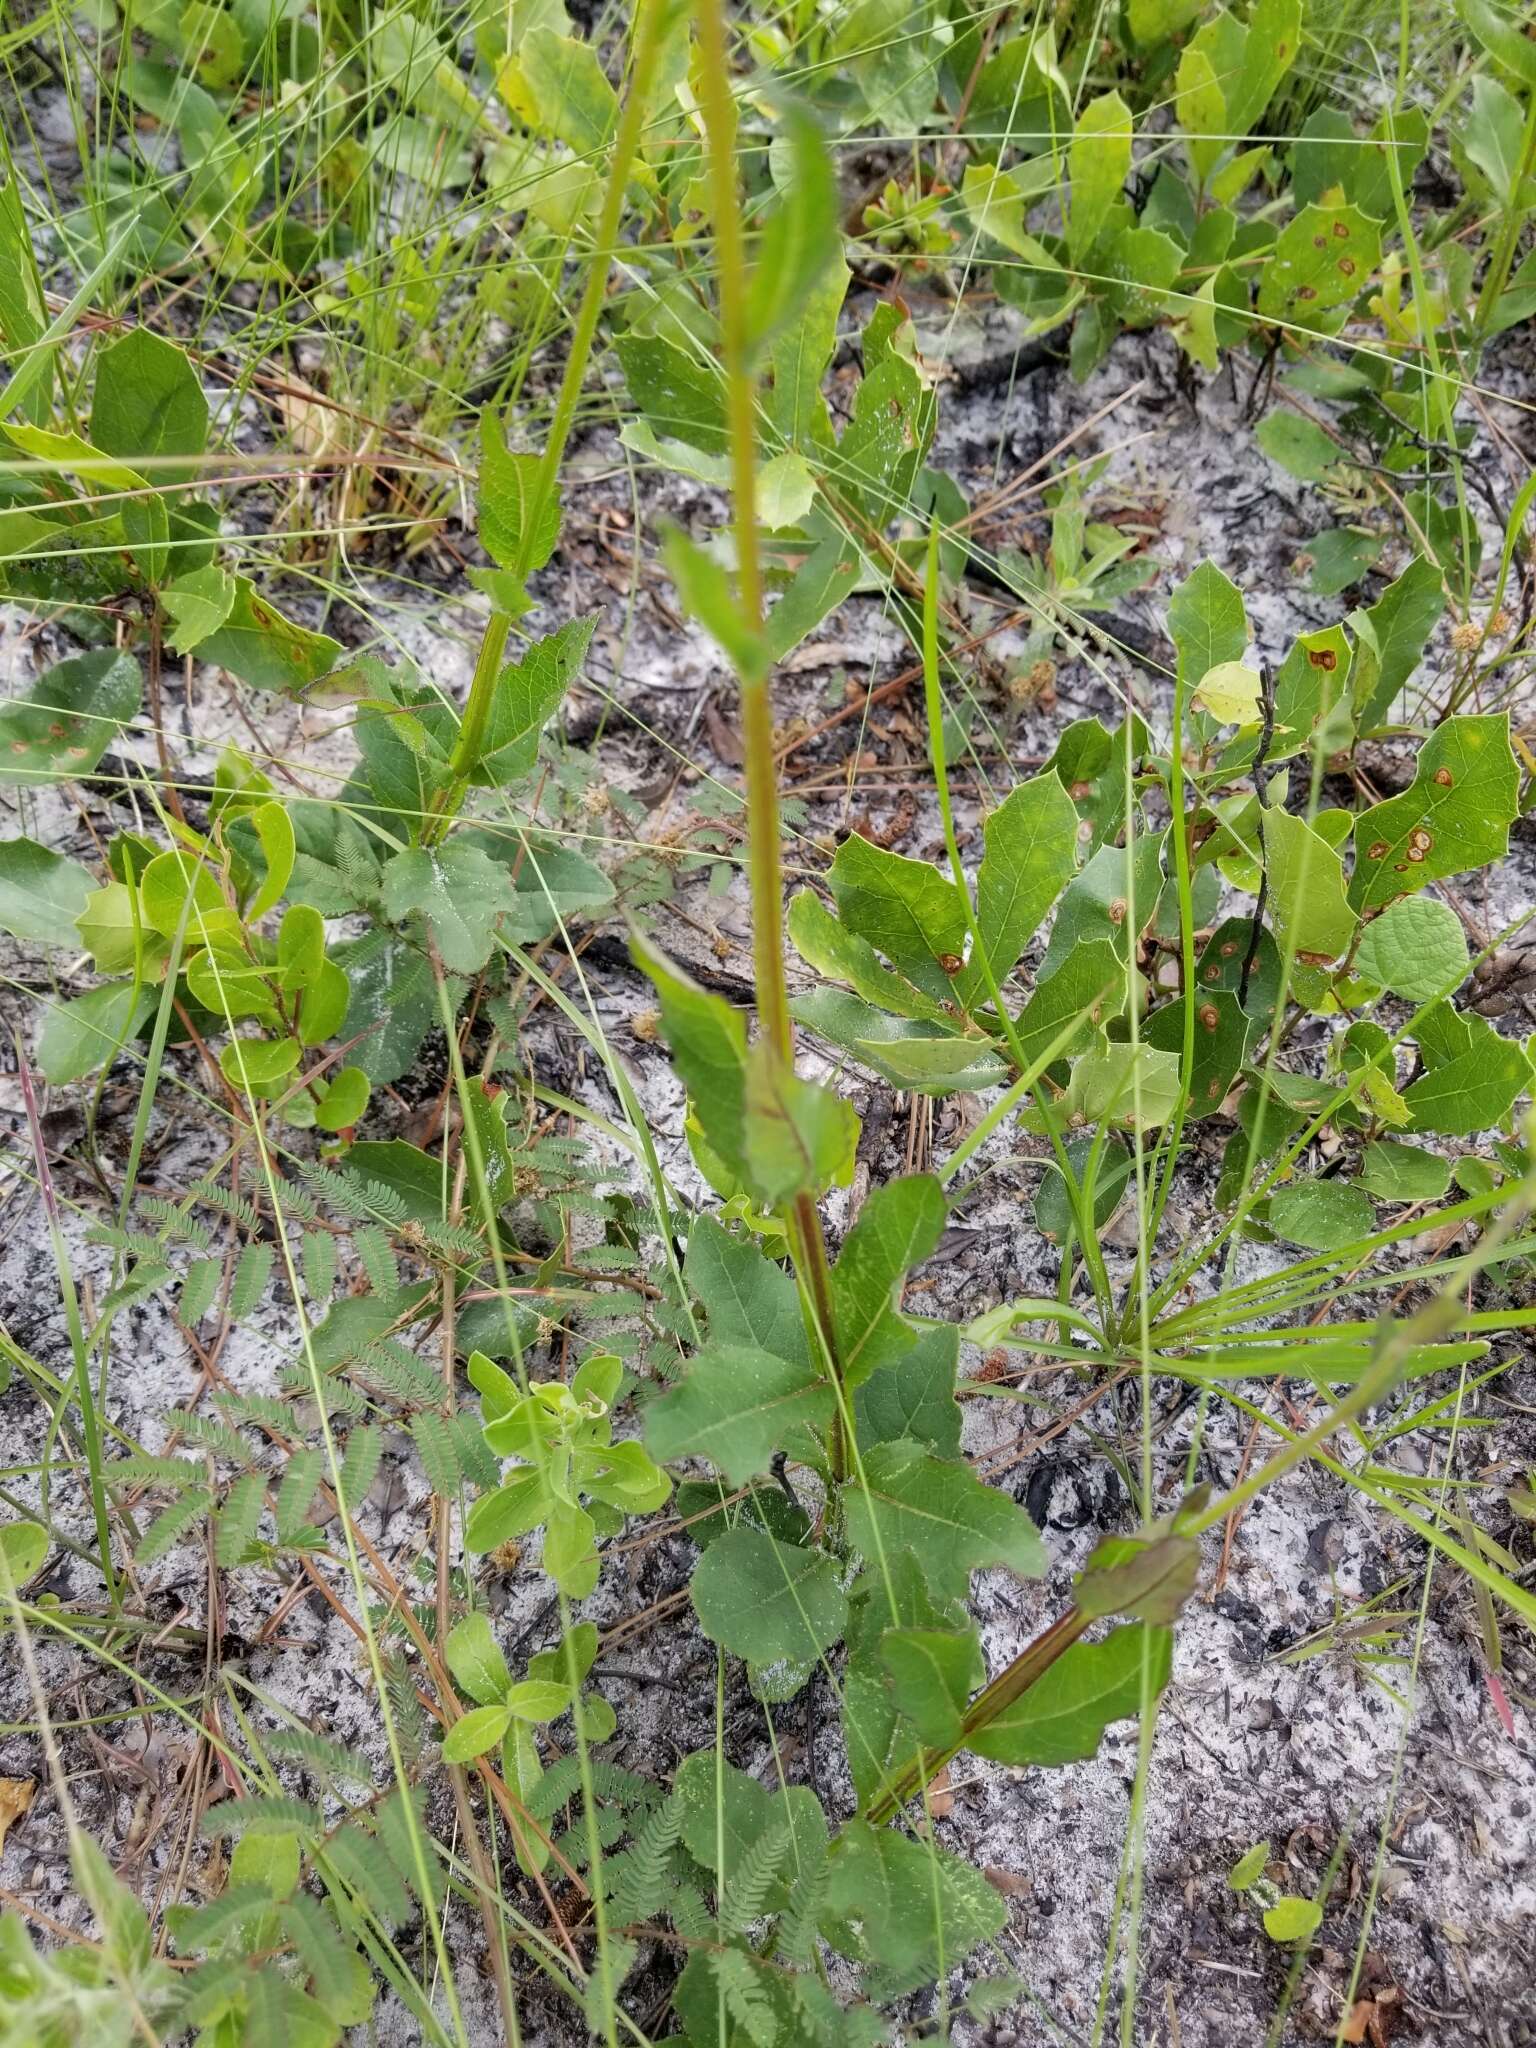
<point>1230,692</point>
<point>16,1796</point>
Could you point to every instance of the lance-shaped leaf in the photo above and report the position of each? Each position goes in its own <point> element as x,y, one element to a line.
<point>827,944</point>
<point>1455,816</point>
<point>1061,1718</point>
<point>708,1040</point>
<point>1392,637</point>
<point>899,1226</point>
<point>906,1498</point>
<point>527,692</point>
<point>908,1052</point>
<point>800,239</point>
<point>69,717</point>
<point>1031,854</point>
<point>515,531</point>
<point>1098,164</point>
<point>1146,1578</point>
<point>736,1407</point>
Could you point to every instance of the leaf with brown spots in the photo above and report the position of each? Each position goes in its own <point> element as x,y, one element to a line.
<point>1454,817</point>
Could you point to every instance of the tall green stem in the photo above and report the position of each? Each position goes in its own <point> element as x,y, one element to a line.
<point>764,866</point>
<point>626,145</point>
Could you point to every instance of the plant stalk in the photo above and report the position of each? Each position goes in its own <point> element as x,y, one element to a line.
<point>626,145</point>
<point>764,855</point>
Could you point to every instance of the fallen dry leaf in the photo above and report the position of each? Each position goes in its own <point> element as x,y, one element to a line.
<point>16,1795</point>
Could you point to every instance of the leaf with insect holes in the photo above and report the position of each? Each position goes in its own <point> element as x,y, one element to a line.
<point>905,909</point>
<point>514,532</point>
<point>69,717</point>
<point>1454,817</point>
<point>766,1601</point>
<point>1321,262</point>
<point>680,395</point>
<point>42,893</point>
<point>459,894</point>
<point>1031,854</point>
<point>1061,1718</point>
<point>736,1406</point>
<point>898,1227</point>
<point>475,1660</point>
<point>882,448</point>
<point>905,1497</point>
